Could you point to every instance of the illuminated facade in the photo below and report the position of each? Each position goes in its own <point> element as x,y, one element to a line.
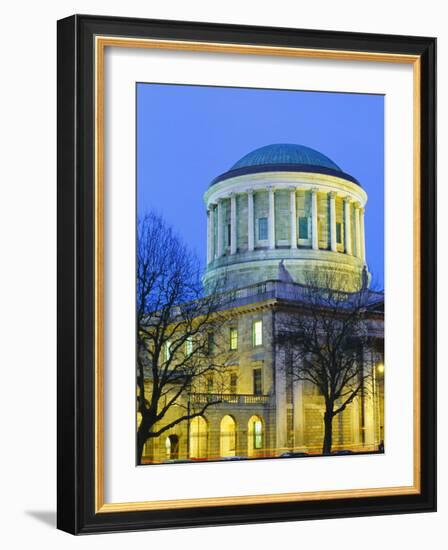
<point>281,212</point>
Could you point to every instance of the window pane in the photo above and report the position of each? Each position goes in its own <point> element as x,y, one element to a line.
<point>167,350</point>
<point>257,333</point>
<point>258,388</point>
<point>262,229</point>
<point>233,382</point>
<point>303,228</point>
<point>258,434</point>
<point>233,338</point>
<point>338,233</point>
<point>210,384</point>
<point>210,343</point>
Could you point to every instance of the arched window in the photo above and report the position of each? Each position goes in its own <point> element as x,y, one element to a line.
<point>228,436</point>
<point>172,447</point>
<point>198,437</point>
<point>255,435</point>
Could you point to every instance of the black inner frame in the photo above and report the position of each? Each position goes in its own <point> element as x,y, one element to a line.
<point>76,390</point>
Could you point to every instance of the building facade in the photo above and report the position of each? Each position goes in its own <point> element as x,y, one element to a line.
<point>283,211</point>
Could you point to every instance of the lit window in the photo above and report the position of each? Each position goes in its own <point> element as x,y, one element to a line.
<point>233,338</point>
<point>303,228</point>
<point>189,346</point>
<point>258,434</point>
<point>338,233</point>
<point>258,382</point>
<point>262,229</point>
<point>167,350</point>
<point>257,333</point>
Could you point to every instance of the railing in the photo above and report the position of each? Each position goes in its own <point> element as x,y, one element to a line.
<point>233,398</point>
<point>269,290</point>
<point>284,290</point>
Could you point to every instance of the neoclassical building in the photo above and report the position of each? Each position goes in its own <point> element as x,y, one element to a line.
<point>279,213</point>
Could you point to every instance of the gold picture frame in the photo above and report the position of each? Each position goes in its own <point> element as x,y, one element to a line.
<point>81,35</point>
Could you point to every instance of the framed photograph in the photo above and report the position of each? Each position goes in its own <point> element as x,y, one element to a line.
<point>246,271</point>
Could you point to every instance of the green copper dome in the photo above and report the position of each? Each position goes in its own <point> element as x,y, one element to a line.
<point>285,153</point>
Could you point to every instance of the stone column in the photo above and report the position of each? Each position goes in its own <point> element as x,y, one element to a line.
<point>211,234</point>
<point>347,226</point>
<point>363,236</point>
<point>333,243</point>
<point>293,211</point>
<point>250,220</point>
<point>219,230</point>
<point>233,223</point>
<point>357,233</point>
<point>271,221</point>
<point>314,234</point>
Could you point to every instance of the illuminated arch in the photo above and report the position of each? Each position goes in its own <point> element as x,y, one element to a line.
<point>172,447</point>
<point>198,437</point>
<point>228,436</point>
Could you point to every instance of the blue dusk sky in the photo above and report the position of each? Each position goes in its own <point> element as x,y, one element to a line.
<point>188,135</point>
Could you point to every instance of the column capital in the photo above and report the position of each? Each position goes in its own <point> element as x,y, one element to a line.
<point>348,199</point>
<point>332,194</point>
<point>292,188</point>
<point>250,191</point>
<point>315,190</point>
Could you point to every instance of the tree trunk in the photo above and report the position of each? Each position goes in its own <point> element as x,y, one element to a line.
<point>140,446</point>
<point>328,433</point>
<point>142,436</point>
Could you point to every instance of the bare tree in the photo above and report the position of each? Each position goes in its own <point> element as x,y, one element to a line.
<point>323,339</point>
<point>176,324</point>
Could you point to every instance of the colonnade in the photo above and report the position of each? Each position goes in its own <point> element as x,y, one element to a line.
<point>217,251</point>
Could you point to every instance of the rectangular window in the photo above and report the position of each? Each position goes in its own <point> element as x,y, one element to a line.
<point>262,229</point>
<point>167,350</point>
<point>210,384</point>
<point>210,343</point>
<point>229,234</point>
<point>258,434</point>
<point>233,338</point>
<point>189,346</point>
<point>258,382</point>
<point>303,227</point>
<point>257,333</point>
<point>338,233</point>
<point>233,382</point>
